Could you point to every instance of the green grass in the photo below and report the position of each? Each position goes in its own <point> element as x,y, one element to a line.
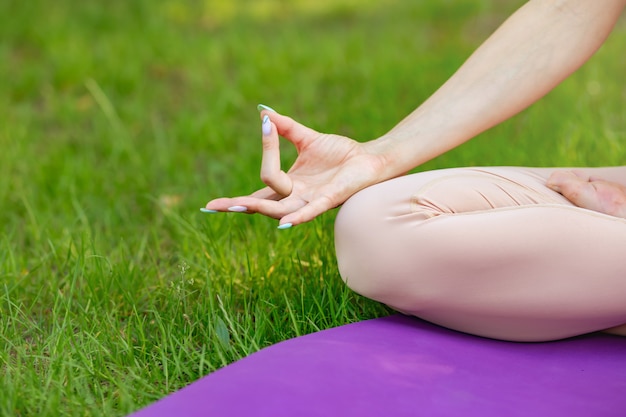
<point>119,119</point>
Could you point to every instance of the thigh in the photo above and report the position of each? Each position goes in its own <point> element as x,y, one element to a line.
<point>490,251</point>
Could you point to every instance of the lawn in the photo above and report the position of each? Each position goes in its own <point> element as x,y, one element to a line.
<point>120,119</point>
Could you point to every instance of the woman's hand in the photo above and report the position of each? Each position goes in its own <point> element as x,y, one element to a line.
<point>328,170</point>
<point>589,192</point>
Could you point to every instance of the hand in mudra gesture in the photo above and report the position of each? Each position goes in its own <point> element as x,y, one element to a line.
<point>328,170</point>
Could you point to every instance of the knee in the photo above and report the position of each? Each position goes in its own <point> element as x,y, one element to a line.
<point>370,256</point>
<point>358,256</point>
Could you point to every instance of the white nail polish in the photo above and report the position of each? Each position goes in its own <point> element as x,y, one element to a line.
<point>206,210</point>
<point>266,126</point>
<point>285,226</point>
<point>262,107</point>
<point>238,209</point>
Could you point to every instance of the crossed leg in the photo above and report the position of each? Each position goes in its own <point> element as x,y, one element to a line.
<point>488,251</point>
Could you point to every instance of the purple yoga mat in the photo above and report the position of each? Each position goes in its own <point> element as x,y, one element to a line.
<point>402,366</point>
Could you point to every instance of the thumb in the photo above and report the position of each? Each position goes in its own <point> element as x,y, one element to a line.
<point>308,212</point>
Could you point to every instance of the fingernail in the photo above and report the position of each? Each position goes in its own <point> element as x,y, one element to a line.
<point>266,126</point>
<point>206,210</point>
<point>262,107</point>
<point>284,226</point>
<point>238,209</point>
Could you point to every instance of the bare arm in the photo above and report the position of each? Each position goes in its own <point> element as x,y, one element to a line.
<point>532,52</point>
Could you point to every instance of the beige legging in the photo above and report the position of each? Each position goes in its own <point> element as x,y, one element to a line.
<point>488,251</point>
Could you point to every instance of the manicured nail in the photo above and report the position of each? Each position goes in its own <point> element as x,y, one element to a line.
<point>266,126</point>
<point>238,209</point>
<point>206,210</point>
<point>284,226</point>
<point>261,107</point>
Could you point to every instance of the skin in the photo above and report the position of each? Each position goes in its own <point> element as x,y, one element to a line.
<point>532,52</point>
<point>590,193</point>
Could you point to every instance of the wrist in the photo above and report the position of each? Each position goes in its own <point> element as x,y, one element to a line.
<point>390,159</point>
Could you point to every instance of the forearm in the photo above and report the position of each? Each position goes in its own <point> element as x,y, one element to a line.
<point>532,52</point>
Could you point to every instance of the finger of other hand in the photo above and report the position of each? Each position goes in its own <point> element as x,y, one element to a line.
<point>576,188</point>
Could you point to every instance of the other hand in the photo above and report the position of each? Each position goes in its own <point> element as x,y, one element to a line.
<point>589,192</point>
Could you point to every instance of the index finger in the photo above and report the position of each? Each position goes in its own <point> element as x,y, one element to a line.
<point>293,131</point>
